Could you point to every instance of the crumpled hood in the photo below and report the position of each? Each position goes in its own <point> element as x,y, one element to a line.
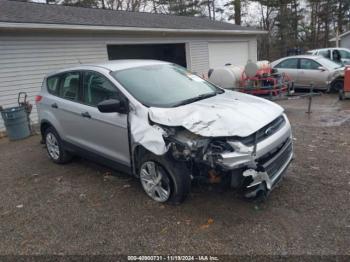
<point>228,114</point>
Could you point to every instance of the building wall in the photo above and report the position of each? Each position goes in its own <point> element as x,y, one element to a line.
<point>345,41</point>
<point>26,58</point>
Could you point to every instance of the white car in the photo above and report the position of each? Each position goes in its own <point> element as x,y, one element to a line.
<point>305,70</point>
<point>337,54</point>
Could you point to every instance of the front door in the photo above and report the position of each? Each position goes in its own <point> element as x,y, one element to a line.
<point>103,133</point>
<point>311,72</point>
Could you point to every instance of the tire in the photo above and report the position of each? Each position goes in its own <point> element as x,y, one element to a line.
<point>54,147</point>
<point>337,85</point>
<point>172,177</point>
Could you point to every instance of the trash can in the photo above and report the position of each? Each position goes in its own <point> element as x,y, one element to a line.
<point>16,122</point>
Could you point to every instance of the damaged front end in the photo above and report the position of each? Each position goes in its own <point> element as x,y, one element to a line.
<point>232,138</point>
<point>253,164</point>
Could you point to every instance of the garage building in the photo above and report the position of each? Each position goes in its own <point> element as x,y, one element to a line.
<point>36,39</point>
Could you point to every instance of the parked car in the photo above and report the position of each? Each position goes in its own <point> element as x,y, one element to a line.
<point>306,69</point>
<point>337,54</point>
<point>164,125</point>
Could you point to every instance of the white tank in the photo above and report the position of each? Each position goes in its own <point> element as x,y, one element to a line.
<point>252,68</point>
<point>226,76</point>
<point>229,76</point>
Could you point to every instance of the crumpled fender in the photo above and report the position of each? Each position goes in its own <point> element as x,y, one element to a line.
<point>150,137</point>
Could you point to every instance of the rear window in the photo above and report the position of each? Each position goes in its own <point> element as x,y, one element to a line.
<point>53,85</point>
<point>291,63</point>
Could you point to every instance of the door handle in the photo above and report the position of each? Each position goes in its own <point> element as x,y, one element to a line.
<point>86,114</point>
<point>54,105</point>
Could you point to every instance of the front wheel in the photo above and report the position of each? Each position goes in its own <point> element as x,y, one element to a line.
<point>164,180</point>
<point>338,85</point>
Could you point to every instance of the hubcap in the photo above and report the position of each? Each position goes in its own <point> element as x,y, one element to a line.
<point>52,146</point>
<point>154,181</point>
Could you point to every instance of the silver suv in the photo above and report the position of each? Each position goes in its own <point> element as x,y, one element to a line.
<point>166,126</point>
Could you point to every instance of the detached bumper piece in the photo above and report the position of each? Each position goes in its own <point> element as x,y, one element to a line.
<point>271,168</point>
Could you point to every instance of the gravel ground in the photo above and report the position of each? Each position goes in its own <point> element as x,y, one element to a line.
<point>80,208</point>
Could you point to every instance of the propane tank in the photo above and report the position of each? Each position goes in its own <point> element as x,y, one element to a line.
<point>226,76</point>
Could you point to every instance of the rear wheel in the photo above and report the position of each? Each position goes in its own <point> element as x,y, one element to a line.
<point>54,147</point>
<point>163,179</point>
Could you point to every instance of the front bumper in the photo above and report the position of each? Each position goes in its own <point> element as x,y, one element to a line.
<point>263,163</point>
<point>271,171</point>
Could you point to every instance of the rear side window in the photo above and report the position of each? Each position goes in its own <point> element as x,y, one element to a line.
<point>70,86</point>
<point>53,85</point>
<point>291,63</point>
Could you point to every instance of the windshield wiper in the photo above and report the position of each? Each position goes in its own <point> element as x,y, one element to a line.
<point>194,99</point>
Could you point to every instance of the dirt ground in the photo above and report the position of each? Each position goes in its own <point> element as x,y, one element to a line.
<point>80,209</point>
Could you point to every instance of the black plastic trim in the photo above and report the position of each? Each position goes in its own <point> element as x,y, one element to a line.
<point>97,158</point>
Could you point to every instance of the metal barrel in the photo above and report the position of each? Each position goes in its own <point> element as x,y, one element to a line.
<point>16,122</point>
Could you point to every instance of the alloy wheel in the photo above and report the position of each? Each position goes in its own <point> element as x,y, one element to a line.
<point>52,146</point>
<point>155,181</point>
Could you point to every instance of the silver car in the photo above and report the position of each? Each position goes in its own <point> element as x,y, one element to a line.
<point>166,126</point>
<point>306,69</point>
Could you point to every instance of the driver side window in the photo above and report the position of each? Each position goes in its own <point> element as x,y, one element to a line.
<point>97,88</point>
<point>309,64</point>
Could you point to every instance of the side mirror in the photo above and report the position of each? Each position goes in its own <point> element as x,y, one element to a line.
<point>113,106</point>
<point>321,68</point>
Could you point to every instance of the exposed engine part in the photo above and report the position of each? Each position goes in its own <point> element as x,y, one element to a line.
<point>180,152</point>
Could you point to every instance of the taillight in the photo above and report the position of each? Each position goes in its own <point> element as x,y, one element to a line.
<point>38,99</point>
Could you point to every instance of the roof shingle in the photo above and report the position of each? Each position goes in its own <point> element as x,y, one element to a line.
<point>24,12</point>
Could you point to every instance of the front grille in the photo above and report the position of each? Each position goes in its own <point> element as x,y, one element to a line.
<point>264,132</point>
<point>272,163</point>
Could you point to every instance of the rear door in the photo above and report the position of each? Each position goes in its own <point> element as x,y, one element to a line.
<point>105,134</point>
<point>310,72</point>
<point>65,107</point>
<point>289,66</point>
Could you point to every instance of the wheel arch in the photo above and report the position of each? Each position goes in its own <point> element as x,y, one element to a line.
<point>137,152</point>
<point>338,78</point>
<point>44,125</point>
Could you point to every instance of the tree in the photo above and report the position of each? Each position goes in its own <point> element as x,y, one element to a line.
<point>236,7</point>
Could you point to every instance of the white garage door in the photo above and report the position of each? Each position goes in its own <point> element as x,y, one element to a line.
<point>235,53</point>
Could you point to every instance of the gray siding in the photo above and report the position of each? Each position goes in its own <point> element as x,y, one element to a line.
<point>26,58</point>
<point>345,41</point>
<point>24,61</point>
<point>199,56</point>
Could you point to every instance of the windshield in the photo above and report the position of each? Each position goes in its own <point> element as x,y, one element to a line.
<point>164,85</point>
<point>328,63</point>
<point>344,54</point>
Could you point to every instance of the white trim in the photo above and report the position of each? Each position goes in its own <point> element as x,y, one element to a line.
<point>340,36</point>
<point>7,25</point>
